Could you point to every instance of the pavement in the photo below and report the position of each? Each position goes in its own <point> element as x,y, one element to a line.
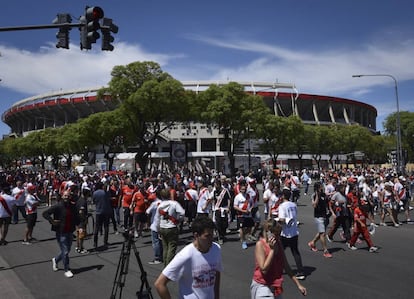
<point>26,270</point>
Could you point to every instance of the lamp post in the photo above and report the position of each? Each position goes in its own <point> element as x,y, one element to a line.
<point>400,166</point>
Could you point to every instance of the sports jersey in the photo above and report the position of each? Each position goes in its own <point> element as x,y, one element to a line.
<point>127,194</point>
<point>195,271</point>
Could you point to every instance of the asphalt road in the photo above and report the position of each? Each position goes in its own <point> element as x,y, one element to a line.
<point>26,270</point>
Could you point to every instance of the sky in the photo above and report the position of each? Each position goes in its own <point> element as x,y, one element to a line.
<point>317,45</point>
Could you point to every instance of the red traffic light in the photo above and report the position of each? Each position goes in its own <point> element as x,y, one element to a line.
<point>94,13</point>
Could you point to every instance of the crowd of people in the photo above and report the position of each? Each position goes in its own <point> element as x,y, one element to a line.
<point>357,201</point>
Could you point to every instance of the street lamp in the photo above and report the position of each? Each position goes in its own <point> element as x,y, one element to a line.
<point>400,166</point>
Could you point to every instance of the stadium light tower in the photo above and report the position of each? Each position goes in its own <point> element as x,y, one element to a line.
<point>400,166</point>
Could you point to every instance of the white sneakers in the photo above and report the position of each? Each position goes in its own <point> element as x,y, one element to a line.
<point>373,249</point>
<point>55,268</point>
<point>54,265</point>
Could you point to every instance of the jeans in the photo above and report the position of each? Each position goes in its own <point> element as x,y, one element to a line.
<point>65,242</point>
<point>128,219</point>
<point>345,223</point>
<point>101,219</point>
<point>113,219</point>
<point>16,210</point>
<point>156,245</point>
<point>169,243</point>
<point>293,244</point>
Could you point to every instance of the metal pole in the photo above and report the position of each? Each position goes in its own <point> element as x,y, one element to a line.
<point>400,164</point>
<point>35,27</point>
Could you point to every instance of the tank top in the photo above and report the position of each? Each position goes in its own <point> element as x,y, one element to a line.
<point>274,276</point>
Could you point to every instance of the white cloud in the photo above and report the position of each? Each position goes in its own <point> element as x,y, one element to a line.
<point>314,71</point>
<point>52,69</point>
<point>326,72</point>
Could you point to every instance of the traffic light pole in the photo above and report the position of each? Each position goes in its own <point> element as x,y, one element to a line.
<point>89,25</point>
<point>34,27</point>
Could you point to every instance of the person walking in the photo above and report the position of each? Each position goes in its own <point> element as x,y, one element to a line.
<point>31,203</point>
<point>243,206</point>
<point>82,207</point>
<point>170,213</point>
<point>19,194</point>
<point>221,201</point>
<point>64,218</point>
<point>154,227</point>
<point>196,268</point>
<point>7,202</point>
<point>340,210</point>
<point>270,262</point>
<point>103,212</point>
<point>290,231</point>
<point>320,212</point>
<point>360,227</point>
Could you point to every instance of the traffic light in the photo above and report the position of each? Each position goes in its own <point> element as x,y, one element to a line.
<point>63,33</point>
<point>90,26</point>
<point>106,29</point>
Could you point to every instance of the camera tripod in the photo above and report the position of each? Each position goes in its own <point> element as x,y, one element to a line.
<point>122,270</point>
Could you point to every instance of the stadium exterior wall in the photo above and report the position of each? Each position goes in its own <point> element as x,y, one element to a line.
<point>63,107</point>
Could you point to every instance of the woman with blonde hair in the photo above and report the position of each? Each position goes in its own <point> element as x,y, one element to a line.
<point>270,263</point>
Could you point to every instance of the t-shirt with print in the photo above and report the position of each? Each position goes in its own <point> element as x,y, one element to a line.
<point>195,271</point>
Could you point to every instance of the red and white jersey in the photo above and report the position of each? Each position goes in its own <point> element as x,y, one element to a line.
<point>242,201</point>
<point>31,202</point>
<point>203,197</point>
<point>253,195</point>
<point>274,203</point>
<point>399,191</point>
<point>294,183</point>
<point>191,194</point>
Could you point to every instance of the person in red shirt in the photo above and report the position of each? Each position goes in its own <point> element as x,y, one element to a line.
<point>360,227</point>
<point>139,206</point>
<point>270,262</point>
<point>128,191</point>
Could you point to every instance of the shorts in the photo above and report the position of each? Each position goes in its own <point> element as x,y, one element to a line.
<point>245,222</point>
<point>256,214</point>
<point>5,221</point>
<point>31,220</point>
<point>259,291</point>
<point>320,224</point>
<point>140,217</point>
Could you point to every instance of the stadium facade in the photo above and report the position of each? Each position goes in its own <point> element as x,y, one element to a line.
<point>59,108</point>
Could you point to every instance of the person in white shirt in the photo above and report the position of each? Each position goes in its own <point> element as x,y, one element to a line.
<point>196,268</point>
<point>204,199</point>
<point>170,213</point>
<point>7,202</point>
<point>290,231</point>
<point>190,203</point>
<point>19,194</point>
<point>243,206</point>
<point>31,202</point>
<point>154,227</point>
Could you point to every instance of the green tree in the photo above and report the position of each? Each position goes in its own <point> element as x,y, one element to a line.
<point>104,129</point>
<point>273,133</point>
<point>152,102</point>
<point>233,110</point>
<point>297,144</point>
<point>407,131</point>
<point>69,142</point>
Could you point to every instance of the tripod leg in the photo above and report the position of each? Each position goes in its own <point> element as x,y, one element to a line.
<point>142,294</point>
<point>122,270</point>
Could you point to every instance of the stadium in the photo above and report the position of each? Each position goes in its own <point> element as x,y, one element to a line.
<point>59,108</point>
